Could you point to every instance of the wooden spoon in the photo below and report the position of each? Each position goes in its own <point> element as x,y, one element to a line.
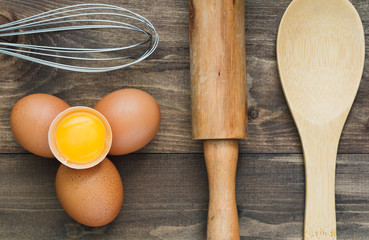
<point>320,51</point>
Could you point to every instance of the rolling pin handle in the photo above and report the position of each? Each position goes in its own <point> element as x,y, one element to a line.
<point>221,162</point>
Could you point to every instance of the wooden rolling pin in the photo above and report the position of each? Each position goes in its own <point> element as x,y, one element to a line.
<point>219,116</point>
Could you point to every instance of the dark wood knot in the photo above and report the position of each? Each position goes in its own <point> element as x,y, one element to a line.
<point>253,113</point>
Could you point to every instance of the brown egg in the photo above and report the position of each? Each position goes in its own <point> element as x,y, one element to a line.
<point>92,196</point>
<point>31,118</point>
<point>134,117</point>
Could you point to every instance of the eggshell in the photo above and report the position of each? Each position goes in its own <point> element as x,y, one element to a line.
<point>92,196</point>
<point>31,118</point>
<point>134,117</point>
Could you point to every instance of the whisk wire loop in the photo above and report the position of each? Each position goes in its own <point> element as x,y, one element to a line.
<point>79,17</point>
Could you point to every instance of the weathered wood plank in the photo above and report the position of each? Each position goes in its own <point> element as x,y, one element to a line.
<point>166,198</point>
<point>165,75</point>
<point>166,194</point>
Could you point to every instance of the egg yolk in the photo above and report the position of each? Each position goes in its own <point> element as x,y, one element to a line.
<point>80,137</point>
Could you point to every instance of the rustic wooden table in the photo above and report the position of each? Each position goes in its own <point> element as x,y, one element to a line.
<point>165,183</point>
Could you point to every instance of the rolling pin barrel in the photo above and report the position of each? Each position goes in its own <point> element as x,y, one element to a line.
<point>218,95</point>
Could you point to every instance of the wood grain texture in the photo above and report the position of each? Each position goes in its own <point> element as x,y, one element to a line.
<point>166,75</point>
<point>166,198</point>
<point>166,195</point>
<point>218,69</point>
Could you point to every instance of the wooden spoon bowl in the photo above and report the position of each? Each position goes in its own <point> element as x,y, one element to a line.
<point>320,51</point>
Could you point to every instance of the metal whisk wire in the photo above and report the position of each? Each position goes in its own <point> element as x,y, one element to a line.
<point>74,18</point>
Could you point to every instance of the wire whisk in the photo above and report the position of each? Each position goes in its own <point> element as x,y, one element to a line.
<point>91,17</point>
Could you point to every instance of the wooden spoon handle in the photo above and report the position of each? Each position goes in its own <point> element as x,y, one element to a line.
<point>320,167</point>
<point>221,158</point>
